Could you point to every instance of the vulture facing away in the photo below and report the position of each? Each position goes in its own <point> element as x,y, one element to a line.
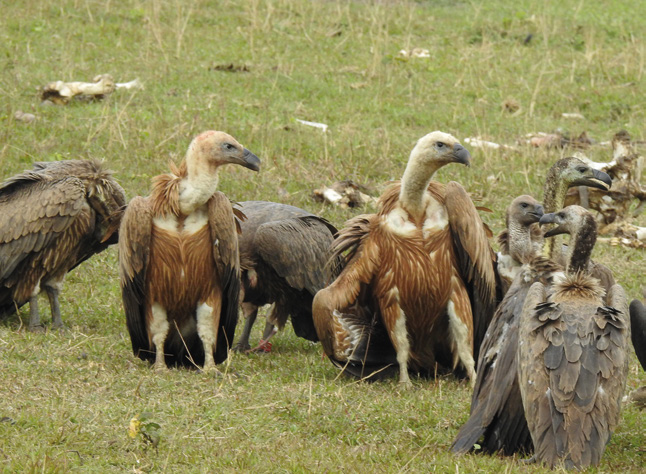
<point>521,239</point>
<point>497,420</point>
<point>178,257</point>
<point>284,252</point>
<point>418,287</point>
<point>572,354</point>
<point>52,218</point>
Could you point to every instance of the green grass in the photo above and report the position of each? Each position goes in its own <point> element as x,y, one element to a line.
<point>68,398</point>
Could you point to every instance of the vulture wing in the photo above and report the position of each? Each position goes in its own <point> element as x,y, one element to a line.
<point>134,252</point>
<point>638,330</point>
<point>34,212</point>
<point>475,259</point>
<point>572,375</point>
<point>224,235</point>
<point>297,249</point>
<point>496,406</point>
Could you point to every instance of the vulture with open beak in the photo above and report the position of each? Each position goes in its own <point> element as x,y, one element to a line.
<point>284,254</point>
<point>418,287</point>
<point>178,257</point>
<point>497,420</point>
<point>572,354</point>
<point>52,218</point>
<point>638,330</point>
<point>520,240</point>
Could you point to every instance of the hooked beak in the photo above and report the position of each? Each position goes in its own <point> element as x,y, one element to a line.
<point>599,180</point>
<point>538,213</point>
<point>461,155</point>
<point>249,160</point>
<point>551,219</point>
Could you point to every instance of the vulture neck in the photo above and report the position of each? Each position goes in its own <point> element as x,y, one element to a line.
<point>553,199</point>
<point>197,186</point>
<point>581,245</point>
<point>415,181</point>
<point>521,247</point>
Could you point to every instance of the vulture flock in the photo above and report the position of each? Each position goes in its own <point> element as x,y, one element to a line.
<point>540,330</point>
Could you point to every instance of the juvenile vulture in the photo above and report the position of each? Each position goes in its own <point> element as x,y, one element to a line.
<point>572,355</point>
<point>638,330</point>
<point>178,257</point>
<point>284,253</point>
<point>497,420</point>
<point>418,287</point>
<point>521,240</point>
<point>52,218</point>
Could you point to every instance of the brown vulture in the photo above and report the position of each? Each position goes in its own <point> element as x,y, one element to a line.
<point>284,252</point>
<point>521,239</point>
<point>572,354</point>
<point>638,330</point>
<point>497,420</point>
<point>52,218</point>
<point>418,288</point>
<point>178,258</point>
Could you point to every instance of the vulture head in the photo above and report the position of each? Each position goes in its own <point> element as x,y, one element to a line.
<point>525,210</point>
<point>210,150</point>
<point>575,172</point>
<point>569,220</point>
<point>438,149</point>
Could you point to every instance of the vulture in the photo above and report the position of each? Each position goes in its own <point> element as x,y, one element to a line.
<point>52,218</point>
<point>178,260</point>
<point>497,420</point>
<point>572,354</point>
<point>284,253</point>
<point>418,287</point>
<point>521,239</point>
<point>638,330</point>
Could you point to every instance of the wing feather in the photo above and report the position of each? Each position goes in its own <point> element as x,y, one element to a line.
<point>134,252</point>
<point>475,258</point>
<point>638,330</point>
<point>224,234</point>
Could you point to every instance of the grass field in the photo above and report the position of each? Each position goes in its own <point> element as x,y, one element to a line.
<point>67,399</point>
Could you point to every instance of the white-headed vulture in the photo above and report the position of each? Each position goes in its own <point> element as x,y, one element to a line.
<point>521,240</point>
<point>179,263</point>
<point>497,420</point>
<point>418,287</point>
<point>572,354</point>
<point>284,255</point>
<point>52,218</point>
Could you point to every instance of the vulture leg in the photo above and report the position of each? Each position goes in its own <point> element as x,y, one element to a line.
<point>460,317</point>
<point>250,313</point>
<point>270,330</point>
<point>34,315</point>
<point>208,320</point>
<point>53,290</point>
<point>399,337</point>
<point>159,330</point>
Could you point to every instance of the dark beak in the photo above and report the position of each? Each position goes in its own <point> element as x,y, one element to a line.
<point>600,181</point>
<point>538,213</point>
<point>251,161</point>
<point>551,219</point>
<point>461,155</point>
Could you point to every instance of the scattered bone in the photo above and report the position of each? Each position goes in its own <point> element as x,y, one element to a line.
<point>134,84</point>
<point>61,93</point>
<point>477,142</point>
<point>573,116</point>
<point>24,117</point>
<point>557,139</point>
<point>318,125</point>
<point>414,53</point>
<point>346,194</point>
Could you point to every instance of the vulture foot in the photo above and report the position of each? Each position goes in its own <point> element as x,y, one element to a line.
<point>263,347</point>
<point>242,347</point>
<point>531,460</point>
<point>37,328</point>
<point>405,385</point>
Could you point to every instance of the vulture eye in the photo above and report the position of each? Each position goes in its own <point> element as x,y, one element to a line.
<point>524,205</point>
<point>440,144</point>
<point>229,147</point>
<point>581,169</point>
<point>561,215</point>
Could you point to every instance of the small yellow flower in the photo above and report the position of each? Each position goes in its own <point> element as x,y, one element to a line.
<point>134,427</point>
